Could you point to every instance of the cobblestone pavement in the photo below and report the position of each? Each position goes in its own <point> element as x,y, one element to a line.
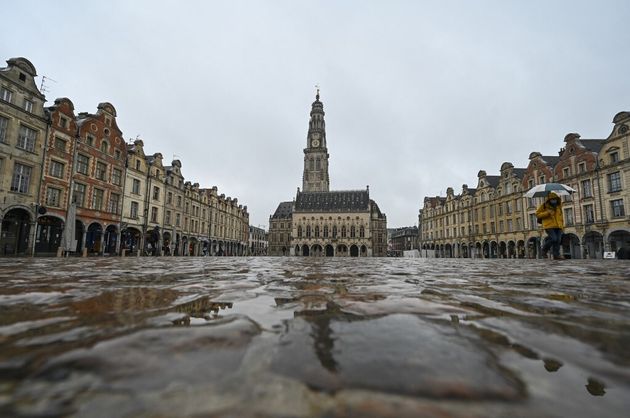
<point>296,337</point>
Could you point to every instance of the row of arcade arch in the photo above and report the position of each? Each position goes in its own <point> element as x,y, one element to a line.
<point>590,246</point>
<point>18,231</point>
<point>328,250</point>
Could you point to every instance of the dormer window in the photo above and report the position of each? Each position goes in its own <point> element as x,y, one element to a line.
<point>104,147</point>
<point>89,140</point>
<point>614,157</point>
<point>63,122</point>
<point>22,77</point>
<point>138,165</point>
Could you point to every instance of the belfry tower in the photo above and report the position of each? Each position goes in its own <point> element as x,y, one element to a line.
<point>315,177</point>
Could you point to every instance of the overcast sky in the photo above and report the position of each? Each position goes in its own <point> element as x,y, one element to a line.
<point>419,96</point>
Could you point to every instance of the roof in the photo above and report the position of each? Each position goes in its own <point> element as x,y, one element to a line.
<point>594,145</point>
<point>337,201</point>
<point>551,160</point>
<point>285,210</point>
<point>493,181</point>
<point>519,172</point>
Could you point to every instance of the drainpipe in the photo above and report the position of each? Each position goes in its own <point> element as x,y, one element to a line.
<point>602,213</point>
<point>39,191</point>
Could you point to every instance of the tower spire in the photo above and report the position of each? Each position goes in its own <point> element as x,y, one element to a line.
<point>315,177</point>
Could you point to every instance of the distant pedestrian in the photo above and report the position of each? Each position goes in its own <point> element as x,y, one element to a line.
<point>550,214</point>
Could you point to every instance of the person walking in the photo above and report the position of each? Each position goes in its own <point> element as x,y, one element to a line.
<point>550,214</point>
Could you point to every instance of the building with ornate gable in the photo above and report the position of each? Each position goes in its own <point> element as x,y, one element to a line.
<point>320,222</point>
<point>496,221</point>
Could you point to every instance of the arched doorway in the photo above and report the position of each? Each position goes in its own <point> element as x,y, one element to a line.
<point>342,250</point>
<point>511,249</point>
<point>130,240</point>
<point>166,244</point>
<point>354,251</point>
<point>111,239</point>
<point>330,251</point>
<point>503,252</point>
<point>48,235</point>
<point>298,251</point>
<point>316,251</point>
<point>570,246</point>
<point>448,252</point>
<point>192,247</point>
<point>486,249</point>
<point>520,249</point>
<point>363,251</point>
<point>464,248</point>
<point>593,245</point>
<point>533,247</point>
<point>494,249</point>
<point>305,252</point>
<point>93,238</point>
<point>284,251</point>
<point>478,252</point>
<point>619,242</point>
<point>16,226</point>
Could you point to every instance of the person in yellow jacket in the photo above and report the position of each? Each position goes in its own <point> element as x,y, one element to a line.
<point>550,213</point>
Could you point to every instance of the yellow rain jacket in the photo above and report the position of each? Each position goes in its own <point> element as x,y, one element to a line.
<point>551,217</point>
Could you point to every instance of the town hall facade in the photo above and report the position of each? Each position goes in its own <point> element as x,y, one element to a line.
<point>319,222</point>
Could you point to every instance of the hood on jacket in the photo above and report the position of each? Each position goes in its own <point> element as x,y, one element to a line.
<point>552,195</point>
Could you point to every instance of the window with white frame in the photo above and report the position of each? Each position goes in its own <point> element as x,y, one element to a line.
<point>97,199</point>
<point>589,214</point>
<point>21,178</point>
<point>135,186</point>
<point>4,128</point>
<point>53,197</point>
<point>116,176</point>
<point>78,195</point>
<point>6,94</point>
<point>133,213</point>
<point>56,169</point>
<point>28,105</point>
<point>154,214</point>
<point>617,208</point>
<point>114,203</point>
<point>26,138</point>
<point>568,216</point>
<point>83,163</point>
<point>587,191</point>
<point>614,182</point>
<point>60,144</point>
<point>101,170</point>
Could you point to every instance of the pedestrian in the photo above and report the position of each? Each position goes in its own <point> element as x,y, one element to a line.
<point>550,214</point>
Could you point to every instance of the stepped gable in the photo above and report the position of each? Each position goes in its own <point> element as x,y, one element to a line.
<point>336,201</point>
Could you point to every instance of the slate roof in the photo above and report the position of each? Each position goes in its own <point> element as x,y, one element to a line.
<point>519,172</point>
<point>551,160</point>
<point>493,181</point>
<point>594,145</point>
<point>285,210</point>
<point>337,201</point>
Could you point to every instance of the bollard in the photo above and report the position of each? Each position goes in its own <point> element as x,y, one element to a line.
<point>84,253</point>
<point>59,252</point>
<point>123,252</point>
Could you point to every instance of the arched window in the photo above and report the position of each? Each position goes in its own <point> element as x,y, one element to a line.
<point>311,164</point>
<point>317,164</point>
<point>104,146</point>
<point>308,231</point>
<point>362,231</point>
<point>334,231</point>
<point>325,231</point>
<point>300,231</point>
<point>316,231</point>
<point>343,231</point>
<point>353,232</point>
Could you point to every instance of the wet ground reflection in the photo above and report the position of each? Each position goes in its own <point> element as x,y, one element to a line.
<point>307,337</point>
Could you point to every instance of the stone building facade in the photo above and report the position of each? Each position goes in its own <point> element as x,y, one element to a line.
<point>402,239</point>
<point>125,200</point>
<point>258,241</point>
<point>320,222</point>
<point>495,220</point>
<point>23,133</point>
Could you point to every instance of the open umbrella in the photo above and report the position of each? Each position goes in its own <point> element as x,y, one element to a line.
<point>68,241</point>
<point>544,189</point>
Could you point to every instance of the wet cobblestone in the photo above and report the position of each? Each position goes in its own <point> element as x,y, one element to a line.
<point>296,337</point>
